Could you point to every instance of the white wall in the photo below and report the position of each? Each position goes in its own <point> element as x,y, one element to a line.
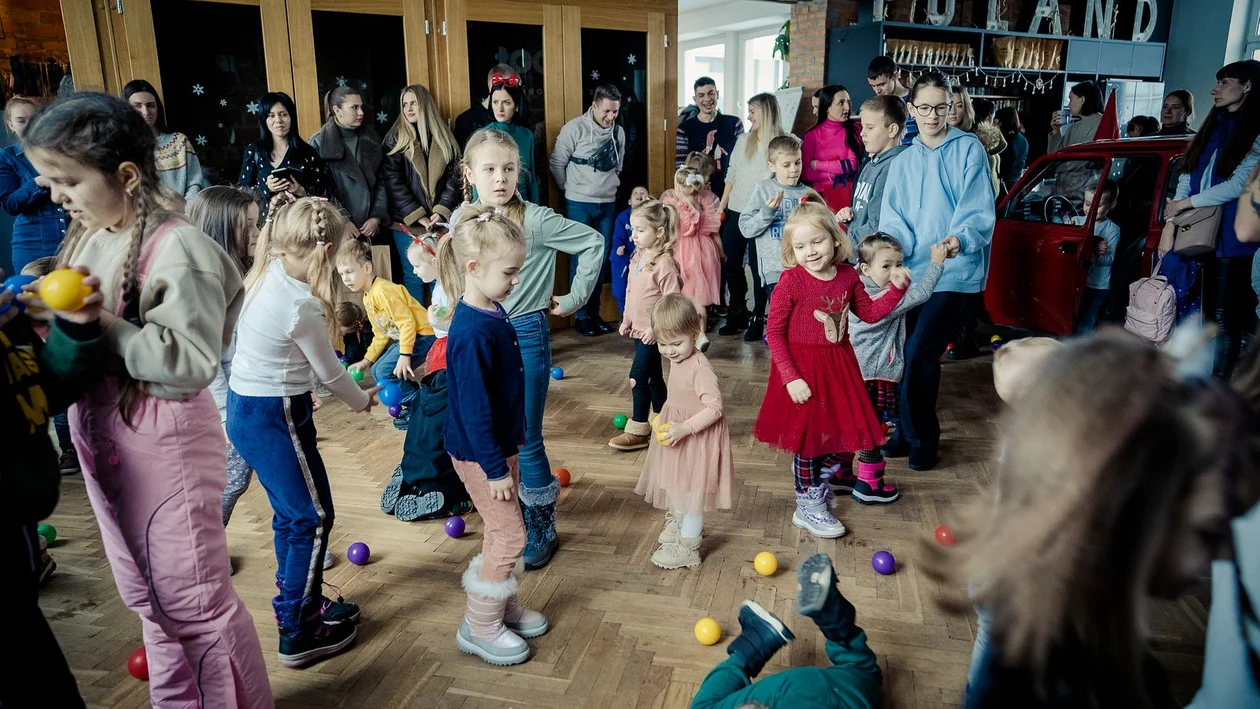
<point>702,23</point>
<point>1204,37</point>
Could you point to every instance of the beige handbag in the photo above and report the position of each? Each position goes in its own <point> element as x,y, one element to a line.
<point>1197,231</point>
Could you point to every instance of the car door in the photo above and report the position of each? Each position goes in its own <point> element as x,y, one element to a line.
<point>1041,245</point>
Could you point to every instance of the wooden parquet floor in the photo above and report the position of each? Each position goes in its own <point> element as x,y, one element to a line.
<point>621,628</point>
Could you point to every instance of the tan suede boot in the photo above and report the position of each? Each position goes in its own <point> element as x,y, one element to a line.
<point>636,437</point>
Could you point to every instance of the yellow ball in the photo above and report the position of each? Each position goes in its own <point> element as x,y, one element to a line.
<point>995,338</point>
<point>708,632</point>
<point>660,433</point>
<point>765,563</point>
<point>63,289</point>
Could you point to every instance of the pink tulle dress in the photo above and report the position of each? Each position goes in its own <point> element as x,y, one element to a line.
<point>697,252</point>
<point>694,475</point>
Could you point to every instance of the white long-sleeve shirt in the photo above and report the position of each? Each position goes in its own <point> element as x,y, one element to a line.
<point>282,344</point>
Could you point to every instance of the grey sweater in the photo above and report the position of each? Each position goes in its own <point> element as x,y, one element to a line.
<point>868,194</point>
<point>578,142</point>
<point>880,346</point>
<point>765,225</point>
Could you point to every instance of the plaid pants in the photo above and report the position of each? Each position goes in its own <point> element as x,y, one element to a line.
<point>808,471</point>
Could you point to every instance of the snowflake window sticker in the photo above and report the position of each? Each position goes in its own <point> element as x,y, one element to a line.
<point>198,89</point>
<point>223,102</point>
<point>631,60</point>
<point>594,76</point>
<point>201,140</point>
<point>341,81</point>
<point>252,107</point>
<point>382,117</point>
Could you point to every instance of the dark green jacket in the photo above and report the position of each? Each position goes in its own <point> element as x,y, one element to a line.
<point>39,381</point>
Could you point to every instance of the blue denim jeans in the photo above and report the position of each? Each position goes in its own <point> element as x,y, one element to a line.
<point>416,287</point>
<point>383,368</point>
<point>276,437</point>
<point>1092,302</point>
<point>534,336</point>
<point>601,218</point>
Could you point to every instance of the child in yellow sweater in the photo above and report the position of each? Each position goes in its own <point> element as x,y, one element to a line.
<point>401,334</point>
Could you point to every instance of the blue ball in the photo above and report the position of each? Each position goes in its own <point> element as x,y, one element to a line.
<point>557,373</point>
<point>14,285</point>
<point>390,394</point>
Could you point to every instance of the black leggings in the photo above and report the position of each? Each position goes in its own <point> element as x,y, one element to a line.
<point>647,391</point>
<point>736,246</point>
<point>1230,302</point>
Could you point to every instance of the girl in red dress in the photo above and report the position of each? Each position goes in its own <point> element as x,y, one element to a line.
<point>816,403</point>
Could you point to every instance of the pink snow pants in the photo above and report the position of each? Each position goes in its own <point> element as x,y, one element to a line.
<point>156,492</point>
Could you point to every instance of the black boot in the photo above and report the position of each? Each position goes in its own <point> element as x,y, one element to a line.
<point>736,322</point>
<point>761,634</point>
<point>820,600</point>
<point>756,329</point>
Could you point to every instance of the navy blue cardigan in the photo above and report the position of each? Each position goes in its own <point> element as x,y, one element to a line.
<point>485,417</point>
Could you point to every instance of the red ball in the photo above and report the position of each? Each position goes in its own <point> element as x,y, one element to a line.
<point>562,474</point>
<point>138,664</point>
<point>945,536</point>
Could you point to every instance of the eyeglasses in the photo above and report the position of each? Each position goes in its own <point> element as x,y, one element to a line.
<point>940,109</point>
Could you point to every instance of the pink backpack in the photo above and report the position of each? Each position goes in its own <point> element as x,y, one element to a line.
<point>1152,310</point>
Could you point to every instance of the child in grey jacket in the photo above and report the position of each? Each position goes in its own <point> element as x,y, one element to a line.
<point>772,200</point>
<point>880,349</point>
<point>883,122</point>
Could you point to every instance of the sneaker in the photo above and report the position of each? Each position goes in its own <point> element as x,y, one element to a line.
<point>68,463</point>
<point>630,442</point>
<point>338,611</point>
<point>412,506</point>
<point>684,553</point>
<point>389,498</point>
<point>670,534</point>
<point>320,640</point>
<point>821,526</point>
<point>507,649</point>
<point>46,567</point>
<point>400,423</point>
<point>328,559</point>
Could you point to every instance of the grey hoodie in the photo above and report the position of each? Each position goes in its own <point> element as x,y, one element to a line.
<point>868,193</point>
<point>880,346</point>
<point>581,138</point>
<point>765,225</point>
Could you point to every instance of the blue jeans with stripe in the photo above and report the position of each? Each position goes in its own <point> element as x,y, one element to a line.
<point>276,437</point>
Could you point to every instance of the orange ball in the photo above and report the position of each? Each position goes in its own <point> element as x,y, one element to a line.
<point>945,536</point>
<point>63,289</point>
<point>562,474</point>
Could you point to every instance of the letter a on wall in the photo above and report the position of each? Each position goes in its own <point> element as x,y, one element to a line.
<point>1047,10</point>
<point>935,16</point>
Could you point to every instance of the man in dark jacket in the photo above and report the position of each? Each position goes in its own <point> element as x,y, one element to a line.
<point>478,116</point>
<point>354,156</point>
<point>39,380</point>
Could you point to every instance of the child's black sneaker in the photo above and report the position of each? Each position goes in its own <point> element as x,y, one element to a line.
<point>314,642</point>
<point>68,463</point>
<point>339,611</point>
<point>46,567</point>
<point>761,634</point>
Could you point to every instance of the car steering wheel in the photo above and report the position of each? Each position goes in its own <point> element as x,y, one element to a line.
<point>1058,209</point>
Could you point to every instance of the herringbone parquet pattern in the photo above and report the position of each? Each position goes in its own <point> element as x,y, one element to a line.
<point>621,628</point>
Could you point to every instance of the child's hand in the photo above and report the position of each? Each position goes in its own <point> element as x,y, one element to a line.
<point>624,330</point>
<point>91,311</point>
<point>671,433</point>
<point>799,391</point>
<point>720,251</point>
<point>6,299</point>
<point>558,311</point>
<point>403,370</point>
<point>362,365</point>
<point>775,201</point>
<point>1102,248</point>
<point>501,489</point>
<point>621,251</point>
<point>845,214</point>
<point>649,337</point>
<point>940,252</point>
<point>371,399</point>
<point>952,243</point>
<point>316,404</point>
<point>900,277</point>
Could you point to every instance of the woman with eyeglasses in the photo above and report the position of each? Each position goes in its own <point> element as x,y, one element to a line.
<point>938,190</point>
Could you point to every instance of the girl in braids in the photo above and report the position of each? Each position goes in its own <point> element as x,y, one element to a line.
<point>283,344</point>
<point>149,441</point>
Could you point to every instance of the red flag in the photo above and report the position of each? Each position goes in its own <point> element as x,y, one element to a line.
<point>1109,127</point>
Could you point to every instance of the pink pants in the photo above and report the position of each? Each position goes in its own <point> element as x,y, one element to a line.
<point>156,492</point>
<point>504,539</point>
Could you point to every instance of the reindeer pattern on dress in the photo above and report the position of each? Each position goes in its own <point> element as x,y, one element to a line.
<point>834,317</point>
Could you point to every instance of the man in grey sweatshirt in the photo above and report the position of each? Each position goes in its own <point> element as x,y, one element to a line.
<point>586,164</point>
<point>883,121</point>
<point>772,200</point>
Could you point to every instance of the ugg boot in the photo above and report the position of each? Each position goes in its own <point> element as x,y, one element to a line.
<point>517,618</point>
<point>871,489</point>
<point>761,634</point>
<point>813,516</point>
<point>669,535</point>
<point>483,632</point>
<point>538,506</point>
<point>820,600</point>
<point>636,436</point>
<point>685,552</point>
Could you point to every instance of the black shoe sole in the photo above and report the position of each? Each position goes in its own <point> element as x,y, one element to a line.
<point>302,659</point>
<point>815,577</point>
<point>540,561</point>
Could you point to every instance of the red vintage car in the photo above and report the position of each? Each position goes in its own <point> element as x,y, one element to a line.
<point>1043,242</point>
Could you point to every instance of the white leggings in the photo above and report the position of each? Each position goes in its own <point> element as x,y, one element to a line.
<point>690,526</point>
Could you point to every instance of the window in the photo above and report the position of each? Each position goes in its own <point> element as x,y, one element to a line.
<point>708,61</point>
<point>762,70</point>
<point>1058,194</point>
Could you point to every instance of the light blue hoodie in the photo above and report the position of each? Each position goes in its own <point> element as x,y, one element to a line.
<point>935,193</point>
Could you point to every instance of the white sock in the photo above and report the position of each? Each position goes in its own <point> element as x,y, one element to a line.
<point>690,526</point>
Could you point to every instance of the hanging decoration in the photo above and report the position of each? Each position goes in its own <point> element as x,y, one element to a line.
<point>198,89</point>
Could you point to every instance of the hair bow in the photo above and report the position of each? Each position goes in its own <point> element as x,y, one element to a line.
<point>485,216</point>
<point>510,80</point>
<point>694,178</point>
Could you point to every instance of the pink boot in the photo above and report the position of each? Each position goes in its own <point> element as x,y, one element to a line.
<point>871,489</point>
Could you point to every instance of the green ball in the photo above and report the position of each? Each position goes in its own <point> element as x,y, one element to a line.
<point>357,375</point>
<point>47,531</point>
<point>619,421</point>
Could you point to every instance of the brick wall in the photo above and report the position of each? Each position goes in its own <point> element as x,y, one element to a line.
<point>32,30</point>
<point>811,22</point>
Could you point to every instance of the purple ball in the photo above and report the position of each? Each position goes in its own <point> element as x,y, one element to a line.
<point>454,527</point>
<point>358,553</point>
<point>883,563</point>
<point>395,411</point>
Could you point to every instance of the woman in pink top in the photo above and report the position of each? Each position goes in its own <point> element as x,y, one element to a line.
<point>653,275</point>
<point>832,149</point>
